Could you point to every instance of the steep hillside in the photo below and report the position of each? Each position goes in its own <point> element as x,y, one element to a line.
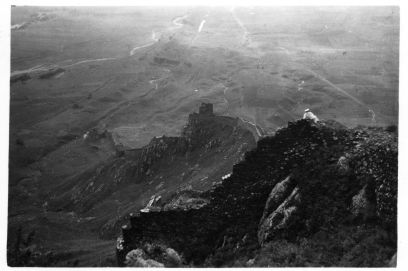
<point>207,149</point>
<point>312,195</point>
<point>95,202</point>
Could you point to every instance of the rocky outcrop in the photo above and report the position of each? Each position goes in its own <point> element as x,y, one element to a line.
<point>283,202</point>
<point>137,258</point>
<point>361,206</point>
<point>290,187</point>
<point>195,132</point>
<point>343,164</point>
<point>173,258</point>
<point>186,199</point>
<point>203,130</point>
<point>278,194</point>
<point>206,109</point>
<point>153,255</point>
<point>160,148</point>
<point>172,160</point>
<point>152,205</point>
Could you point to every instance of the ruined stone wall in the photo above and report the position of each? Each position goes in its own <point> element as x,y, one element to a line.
<point>206,109</point>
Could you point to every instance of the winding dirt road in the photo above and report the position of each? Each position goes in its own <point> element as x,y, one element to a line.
<point>247,40</point>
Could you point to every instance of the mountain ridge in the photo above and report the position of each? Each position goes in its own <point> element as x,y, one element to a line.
<point>339,177</point>
<point>95,202</point>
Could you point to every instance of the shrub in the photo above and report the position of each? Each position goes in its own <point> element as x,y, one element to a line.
<point>358,246</point>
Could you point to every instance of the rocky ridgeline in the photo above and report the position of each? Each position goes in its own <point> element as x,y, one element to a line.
<point>161,167</point>
<point>159,148</point>
<point>204,130</point>
<point>308,177</point>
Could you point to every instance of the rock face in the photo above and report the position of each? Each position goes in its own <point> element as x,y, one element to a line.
<point>152,205</point>
<point>280,207</point>
<point>207,149</point>
<point>159,148</point>
<point>278,194</point>
<point>291,186</point>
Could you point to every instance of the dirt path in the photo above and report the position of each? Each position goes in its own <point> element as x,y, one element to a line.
<point>246,40</point>
<point>258,130</point>
<point>315,74</point>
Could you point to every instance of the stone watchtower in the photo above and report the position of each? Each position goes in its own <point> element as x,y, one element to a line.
<point>206,109</point>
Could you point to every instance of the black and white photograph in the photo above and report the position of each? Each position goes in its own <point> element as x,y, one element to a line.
<point>201,135</point>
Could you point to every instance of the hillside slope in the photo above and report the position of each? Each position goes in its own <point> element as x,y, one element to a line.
<point>312,195</point>
<point>94,203</point>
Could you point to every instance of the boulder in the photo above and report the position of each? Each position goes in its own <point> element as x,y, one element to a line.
<point>278,194</point>
<point>172,257</point>
<point>361,206</point>
<point>137,258</point>
<point>343,164</point>
<point>280,218</point>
